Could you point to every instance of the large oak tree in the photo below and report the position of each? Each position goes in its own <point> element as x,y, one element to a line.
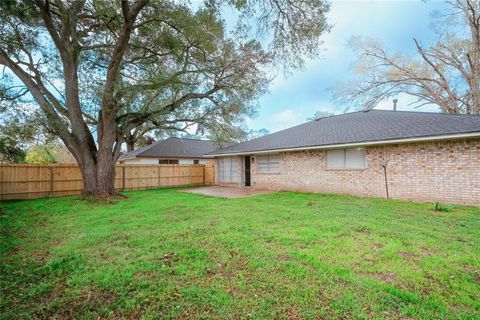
<point>99,69</point>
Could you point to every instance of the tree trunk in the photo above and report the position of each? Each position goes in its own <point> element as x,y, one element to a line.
<point>98,176</point>
<point>89,175</point>
<point>106,178</point>
<point>130,141</point>
<point>98,170</point>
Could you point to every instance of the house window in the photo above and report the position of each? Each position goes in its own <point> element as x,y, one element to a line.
<point>353,158</point>
<point>167,161</point>
<point>269,163</point>
<point>227,170</point>
<point>196,161</point>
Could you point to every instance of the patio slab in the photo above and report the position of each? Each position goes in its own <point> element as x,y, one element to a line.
<point>227,192</point>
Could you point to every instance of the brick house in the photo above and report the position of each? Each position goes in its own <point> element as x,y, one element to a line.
<point>376,153</point>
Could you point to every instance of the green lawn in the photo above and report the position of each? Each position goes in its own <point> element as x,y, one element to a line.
<point>168,254</point>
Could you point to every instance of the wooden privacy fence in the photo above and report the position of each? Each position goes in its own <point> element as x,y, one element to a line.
<point>27,181</point>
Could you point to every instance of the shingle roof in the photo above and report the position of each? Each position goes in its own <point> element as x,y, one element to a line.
<point>360,127</point>
<point>173,148</point>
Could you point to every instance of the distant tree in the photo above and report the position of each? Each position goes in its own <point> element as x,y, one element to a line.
<point>10,151</point>
<point>446,74</point>
<point>320,114</point>
<point>223,136</point>
<point>23,131</point>
<point>252,134</point>
<point>235,134</point>
<point>42,153</point>
<point>18,130</point>
<point>146,141</point>
<point>22,124</point>
<point>93,66</point>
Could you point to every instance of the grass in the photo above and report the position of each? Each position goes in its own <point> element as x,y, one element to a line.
<point>168,254</point>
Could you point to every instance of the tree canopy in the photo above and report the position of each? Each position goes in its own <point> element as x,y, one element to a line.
<point>99,69</point>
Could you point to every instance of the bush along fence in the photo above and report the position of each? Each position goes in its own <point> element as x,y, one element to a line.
<point>28,181</point>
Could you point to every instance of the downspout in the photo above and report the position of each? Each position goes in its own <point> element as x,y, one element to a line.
<point>385,161</point>
<point>384,165</point>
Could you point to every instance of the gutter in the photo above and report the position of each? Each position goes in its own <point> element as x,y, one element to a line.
<point>167,158</point>
<point>123,159</point>
<point>357,144</point>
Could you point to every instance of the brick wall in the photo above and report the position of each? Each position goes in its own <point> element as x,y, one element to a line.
<point>434,171</point>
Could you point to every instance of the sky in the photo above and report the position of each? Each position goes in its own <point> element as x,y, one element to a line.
<point>294,98</point>
<point>291,100</point>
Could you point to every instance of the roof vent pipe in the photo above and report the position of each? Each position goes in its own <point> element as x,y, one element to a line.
<point>395,104</point>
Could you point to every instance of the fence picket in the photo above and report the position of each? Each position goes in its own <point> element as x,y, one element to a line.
<point>28,181</point>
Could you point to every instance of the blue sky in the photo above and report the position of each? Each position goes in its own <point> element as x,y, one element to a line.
<point>293,99</point>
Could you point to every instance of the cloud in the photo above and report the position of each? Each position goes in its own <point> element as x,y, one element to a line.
<point>284,119</point>
<point>294,98</point>
<point>285,116</point>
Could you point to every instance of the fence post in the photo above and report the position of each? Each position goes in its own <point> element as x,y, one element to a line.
<point>123,178</point>
<point>204,173</point>
<point>190,174</point>
<point>51,180</point>
<point>159,174</point>
<point>1,182</point>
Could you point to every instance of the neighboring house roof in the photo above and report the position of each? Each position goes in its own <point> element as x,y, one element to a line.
<point>362,128</point>
<point>173,148</point>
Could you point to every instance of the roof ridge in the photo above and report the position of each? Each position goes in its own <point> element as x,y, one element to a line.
<point>194,139</point>
<point>341,114</point>
<point>429,112</point>
<point>142,149</point>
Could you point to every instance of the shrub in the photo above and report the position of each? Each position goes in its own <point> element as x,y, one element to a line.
<point>443,207</point>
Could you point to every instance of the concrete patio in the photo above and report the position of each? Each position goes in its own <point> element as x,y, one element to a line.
<point>227,192</point>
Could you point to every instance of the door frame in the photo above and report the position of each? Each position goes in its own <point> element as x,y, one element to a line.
<point>244,171</point>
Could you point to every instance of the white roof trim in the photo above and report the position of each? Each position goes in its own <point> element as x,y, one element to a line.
<point>357,144</point>
<point>168,158</point>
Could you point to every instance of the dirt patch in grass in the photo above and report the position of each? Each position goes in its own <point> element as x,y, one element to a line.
<point>168,259</point>
<point>292,314</point>
<point>284,257</point>
<point>101,199</point>
<point>382,276</point>
<point>477,279</point>
<point>93,299</point>
<point>362,229</point>
<point>427,251</point>
<point>407,255</point>
<point>59,303</point>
